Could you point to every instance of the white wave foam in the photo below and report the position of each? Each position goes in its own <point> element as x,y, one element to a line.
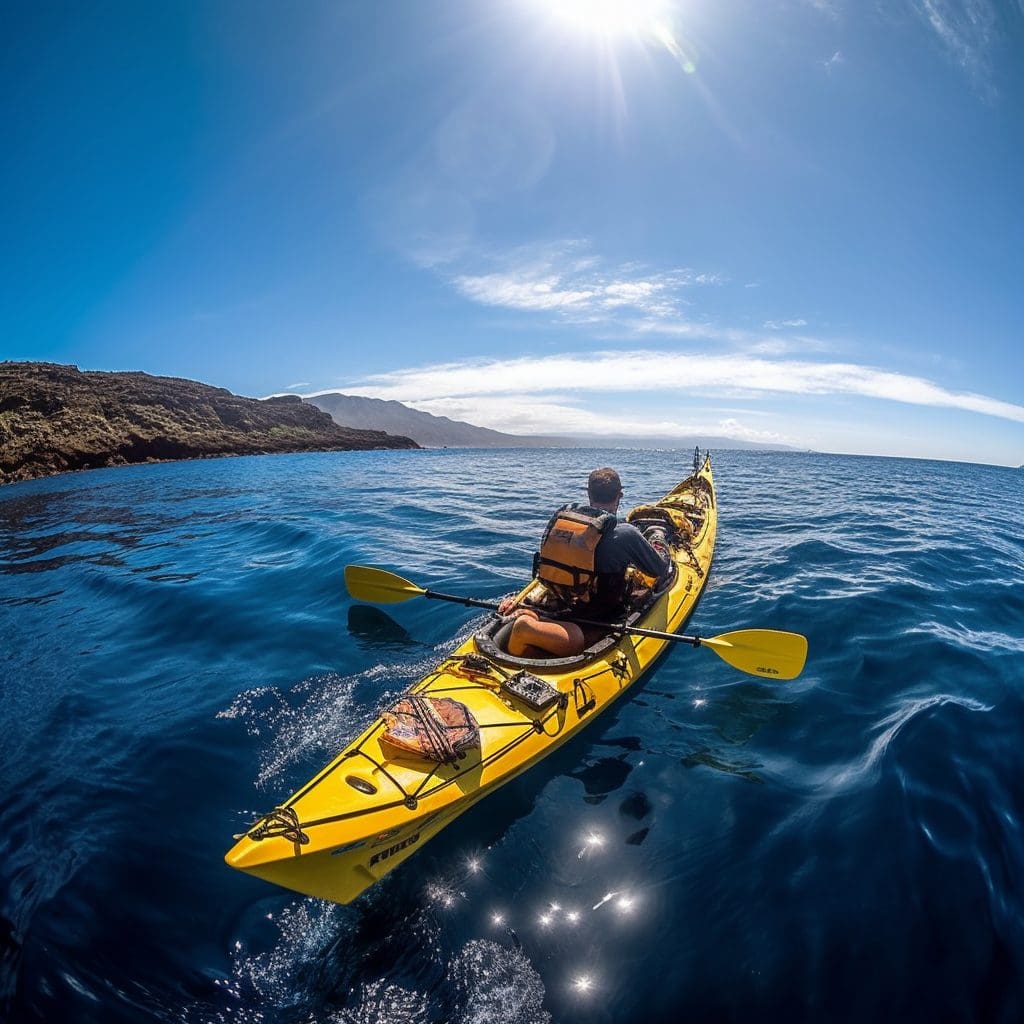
<point>485,982</point>
<point>496,985</point>
<point>382,1002</point>
<point>261,984</point>
<point>327,716</point>
<point>865,770</point>
<point>972,639</point>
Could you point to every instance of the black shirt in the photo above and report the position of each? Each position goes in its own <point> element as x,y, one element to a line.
<point>624,545</point>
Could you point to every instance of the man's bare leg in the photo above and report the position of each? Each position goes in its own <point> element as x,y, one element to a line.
<point>559,639</point>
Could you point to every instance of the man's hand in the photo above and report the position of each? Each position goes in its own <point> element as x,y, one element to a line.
<point>507,609</point>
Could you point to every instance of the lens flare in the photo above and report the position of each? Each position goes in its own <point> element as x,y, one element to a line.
<point>610,17</point>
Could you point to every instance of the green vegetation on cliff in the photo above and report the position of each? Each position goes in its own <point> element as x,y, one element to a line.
<point>56,418</point>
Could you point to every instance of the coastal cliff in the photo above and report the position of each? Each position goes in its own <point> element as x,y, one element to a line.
<point>56,418</point>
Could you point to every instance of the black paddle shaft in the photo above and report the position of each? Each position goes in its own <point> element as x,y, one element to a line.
<point>655,634</point>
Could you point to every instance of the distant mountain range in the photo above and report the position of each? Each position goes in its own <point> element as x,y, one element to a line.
<point>441,432</point>
<point>424,428</point>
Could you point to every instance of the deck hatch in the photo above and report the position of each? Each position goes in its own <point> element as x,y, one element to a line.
<point>533,691</point>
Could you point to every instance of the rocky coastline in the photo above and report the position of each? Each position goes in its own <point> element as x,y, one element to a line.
<point>57,419</point>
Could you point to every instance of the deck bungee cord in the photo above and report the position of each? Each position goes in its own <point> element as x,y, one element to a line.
<point>283,820</point>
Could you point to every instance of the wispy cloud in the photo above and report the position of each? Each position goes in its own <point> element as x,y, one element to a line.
<point>571,285</point>
<point>515,292</point>
<point>831,63</point>
<point>527,413</point>
<point>782,340</point>
<point>566,280</point>
<point>967,29</point>
<point>778,325</point>
<point>704,375</point>
<point>636,392</point>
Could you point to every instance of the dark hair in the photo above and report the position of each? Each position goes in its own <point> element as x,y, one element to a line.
<point>604,485</point>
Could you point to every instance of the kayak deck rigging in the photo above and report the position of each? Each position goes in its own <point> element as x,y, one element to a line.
<point>410,798</point>
<point>371,807</point>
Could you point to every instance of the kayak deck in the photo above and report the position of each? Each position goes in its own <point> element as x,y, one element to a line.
<point>368,810</point>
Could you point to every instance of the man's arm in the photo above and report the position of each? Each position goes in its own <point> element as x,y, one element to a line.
<point>644,555</point>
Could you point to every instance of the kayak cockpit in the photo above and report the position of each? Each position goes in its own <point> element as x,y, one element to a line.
<point>492,640</point>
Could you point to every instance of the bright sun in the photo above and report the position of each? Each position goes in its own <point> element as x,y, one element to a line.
<point>649,24</point>
<point>611,18</point>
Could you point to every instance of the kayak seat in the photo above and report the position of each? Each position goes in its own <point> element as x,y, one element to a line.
<point>491,641</point>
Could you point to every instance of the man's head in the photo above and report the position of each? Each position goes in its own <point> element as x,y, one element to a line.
<point>604,487</point>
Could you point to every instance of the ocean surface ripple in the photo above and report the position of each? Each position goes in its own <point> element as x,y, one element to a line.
<point>180,654</point>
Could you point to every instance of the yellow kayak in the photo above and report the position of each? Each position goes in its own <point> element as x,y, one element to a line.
<point>377,803</point>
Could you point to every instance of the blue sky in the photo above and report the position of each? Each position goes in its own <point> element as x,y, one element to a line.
<point>798,222</point>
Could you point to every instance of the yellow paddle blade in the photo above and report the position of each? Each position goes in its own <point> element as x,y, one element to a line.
<point>761,652</point>
<point>378,585</point>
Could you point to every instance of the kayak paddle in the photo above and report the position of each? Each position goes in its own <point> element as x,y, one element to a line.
<point>758,652</point>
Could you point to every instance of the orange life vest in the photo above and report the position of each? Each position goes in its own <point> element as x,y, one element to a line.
<point>566,560</point>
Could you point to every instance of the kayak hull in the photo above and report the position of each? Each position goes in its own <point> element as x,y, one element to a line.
<point>368,811</point>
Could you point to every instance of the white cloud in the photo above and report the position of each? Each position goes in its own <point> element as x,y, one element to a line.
<point>771,347</point>
<point>514,292</point>
<point>741,432</point>
<point>572,286</point>
<point>679,328</point>
<point>561,415</point>
<point>573,393</point>
<point>834,61</point>
<point>562,279</point>
<point>604,373</point>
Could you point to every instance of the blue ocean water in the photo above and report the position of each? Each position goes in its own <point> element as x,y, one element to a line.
<point>179,655</point>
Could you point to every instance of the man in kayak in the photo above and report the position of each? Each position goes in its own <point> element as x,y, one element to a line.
<point>584,558</point>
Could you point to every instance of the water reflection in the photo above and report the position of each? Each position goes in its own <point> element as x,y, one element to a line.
<point>372,626</point>
<point>709,759</point>
<point>602,777</point>
<point>636,805</point>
